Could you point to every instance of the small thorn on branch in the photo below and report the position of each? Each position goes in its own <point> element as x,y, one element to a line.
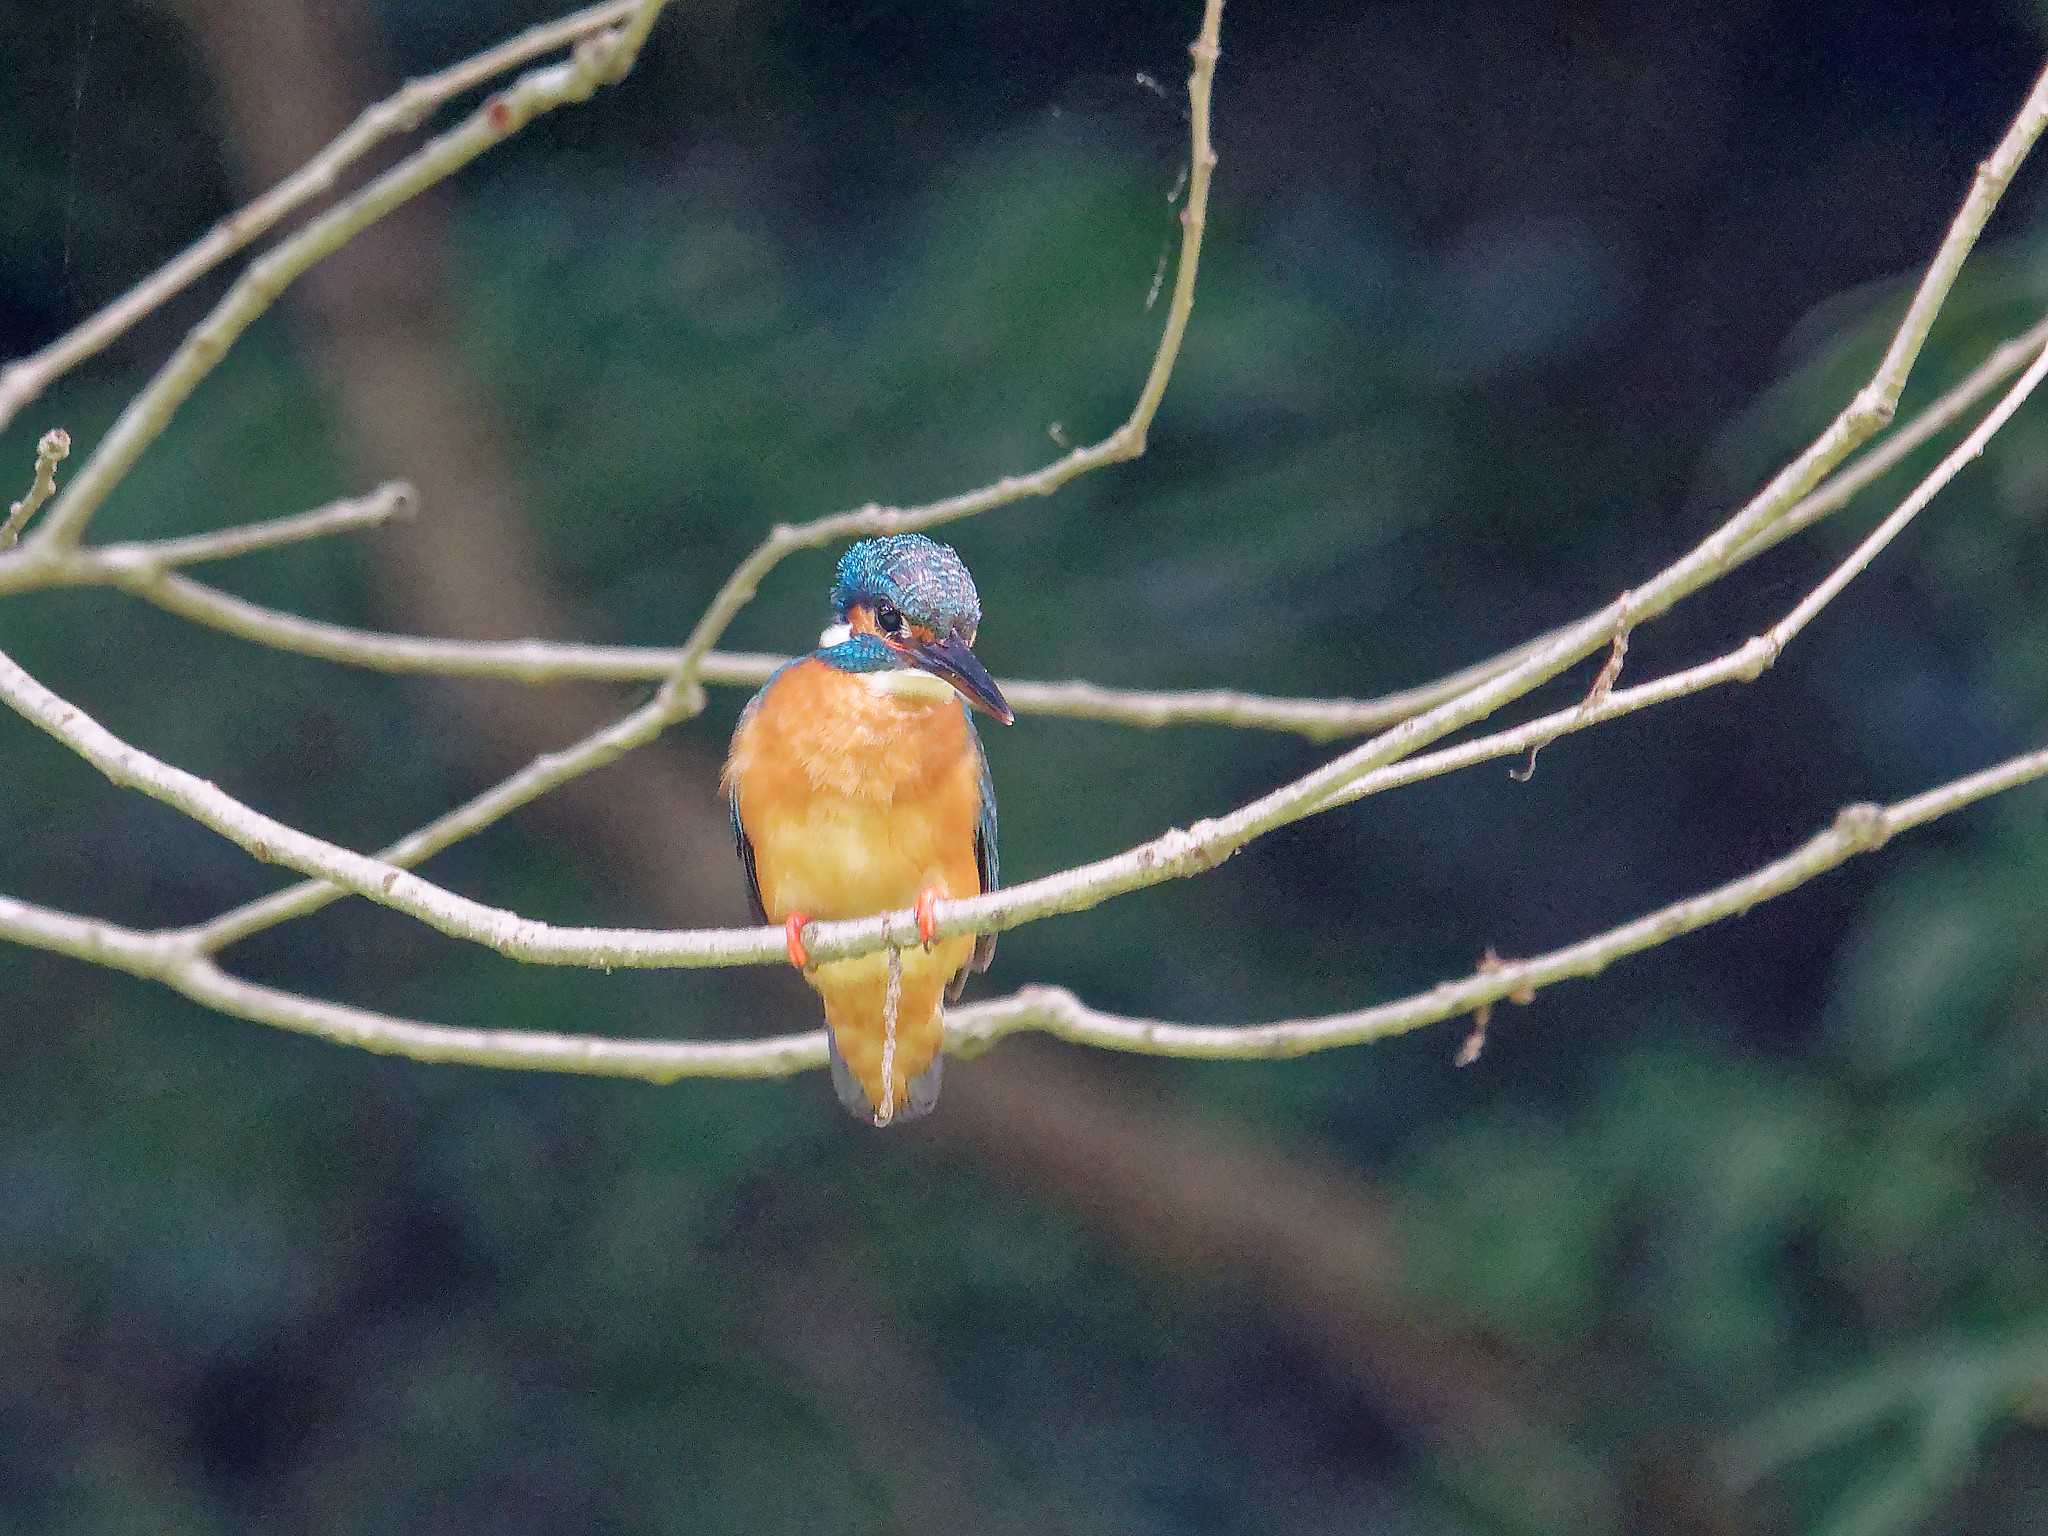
<point>53,450</point>
<point>1603,685</point>
<point>1469,1049</point>
<point>1610,673</point>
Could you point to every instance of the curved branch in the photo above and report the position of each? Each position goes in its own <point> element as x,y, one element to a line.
<point>1126,442</point>
<point>1177,852</point>
<point>1857,829</point>
<point>597,62</point>
<point>26,378</point>
<point>175,960</point>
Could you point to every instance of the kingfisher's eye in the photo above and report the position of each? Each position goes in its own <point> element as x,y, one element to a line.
<point>889,619</point>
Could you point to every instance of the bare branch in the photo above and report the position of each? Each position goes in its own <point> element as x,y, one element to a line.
<point>1858,829</point>
<point>504,931</point>
<point>1745,663</point>
<point>175,960</point>
<point>23,380</point>
<point>1941,413</point>
<point>1859,559</point>
<point>1176,855</point>
<point>681,695</point>
<point>353,514</point>
<point>550,661</point>
<point>597,62</point>
<point>466,820</point>
<point>138,569</point>
<point>678,699</point>
<point>51,451</point>
<point>183,959</point>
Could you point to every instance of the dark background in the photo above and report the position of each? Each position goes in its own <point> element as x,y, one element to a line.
<point>1503,305</point>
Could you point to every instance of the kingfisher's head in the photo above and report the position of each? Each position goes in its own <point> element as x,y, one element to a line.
<point>904,603</point>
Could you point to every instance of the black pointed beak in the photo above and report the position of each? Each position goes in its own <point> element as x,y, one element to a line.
<point>949,657</point>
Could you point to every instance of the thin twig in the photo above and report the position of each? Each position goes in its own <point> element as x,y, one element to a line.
<point>1746,663</point>
<point>142,564</point>
<point>680,696</point>
<point>596,63</point>
<point>1126,442</point>
<point>1781,633</point>
<point>546,661</point>
<point>23,380</point>
<point>51,451</point>
<point>1603,687</point>
<point>1858,829</point>
<point>352,514</point>
<point>1182,850</point>
<point>2006,359</point>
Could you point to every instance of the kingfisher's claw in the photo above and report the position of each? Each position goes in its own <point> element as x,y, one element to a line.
<point>793,936</point>
<point>927,917</point>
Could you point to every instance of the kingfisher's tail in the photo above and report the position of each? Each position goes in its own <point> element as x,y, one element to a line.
<point>919,1097</point>
<point>886,1041</point>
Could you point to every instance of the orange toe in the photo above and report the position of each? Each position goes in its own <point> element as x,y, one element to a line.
<point>793,936</point>
<point>927,917</point>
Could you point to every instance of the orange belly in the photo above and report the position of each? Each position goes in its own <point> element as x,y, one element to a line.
<point>856,803</point>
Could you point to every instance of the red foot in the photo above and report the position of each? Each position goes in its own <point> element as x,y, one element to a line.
<point>793,936</point>
<point>927,919</point>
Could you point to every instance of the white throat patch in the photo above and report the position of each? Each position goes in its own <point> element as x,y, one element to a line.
<point>908,683</point>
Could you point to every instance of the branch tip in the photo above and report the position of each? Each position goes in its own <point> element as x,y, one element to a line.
<point>52,449</point>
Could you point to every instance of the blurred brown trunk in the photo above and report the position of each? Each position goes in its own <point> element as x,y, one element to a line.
<point>1314,1243</point>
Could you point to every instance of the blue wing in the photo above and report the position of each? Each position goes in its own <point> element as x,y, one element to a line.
<point>986,861</point>
<point>740,841</point>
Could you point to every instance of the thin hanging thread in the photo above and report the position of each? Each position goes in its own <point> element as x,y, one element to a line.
<point>891,1002</point>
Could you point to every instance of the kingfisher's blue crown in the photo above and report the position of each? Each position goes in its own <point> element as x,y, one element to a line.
<point>920,577</point>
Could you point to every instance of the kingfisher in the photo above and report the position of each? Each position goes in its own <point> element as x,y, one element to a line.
<point>858,785</point>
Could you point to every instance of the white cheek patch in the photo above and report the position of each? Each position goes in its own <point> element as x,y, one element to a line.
<point>834,634</point>
<point>908,683</point>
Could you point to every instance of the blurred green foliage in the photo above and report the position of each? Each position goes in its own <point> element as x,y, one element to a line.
<point>1466,358</point>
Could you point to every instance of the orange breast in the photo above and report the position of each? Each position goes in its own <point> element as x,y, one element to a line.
<point>857,802</point>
